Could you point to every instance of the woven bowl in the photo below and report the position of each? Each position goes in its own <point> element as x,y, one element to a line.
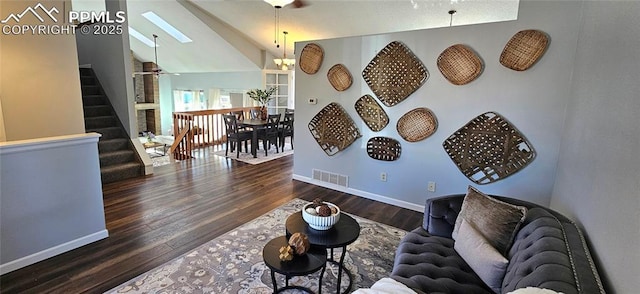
<point>321,223</point>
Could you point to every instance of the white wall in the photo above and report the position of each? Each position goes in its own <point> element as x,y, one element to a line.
<point>599,168</point>
<point>110,58</point>
<point>51,197</point>
<point>534,101</point>
<point>40,89</point>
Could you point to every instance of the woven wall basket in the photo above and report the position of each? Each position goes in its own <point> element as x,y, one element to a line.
<point>488,149</point>
<point>459,64</point>
<point>311,58</point>
<point>383,148</point>
<point>372,113</point>
<point>339,77</point>
<point>416,125</point>
<point>524,49</point>
<point>394,73</point>
<point>333,129</point>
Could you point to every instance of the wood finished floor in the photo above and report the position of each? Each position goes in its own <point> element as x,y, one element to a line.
<point>155,219</point>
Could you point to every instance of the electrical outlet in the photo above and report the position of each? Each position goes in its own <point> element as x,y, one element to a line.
<point>383,177</point>
<point>313,101</point>
<point>431,186</point>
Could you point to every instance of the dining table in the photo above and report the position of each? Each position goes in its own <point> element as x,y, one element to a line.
<point>255,125</point>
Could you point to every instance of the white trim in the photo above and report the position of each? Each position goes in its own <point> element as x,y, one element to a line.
<point>376,197</point>
<point>48,143</point>
<point>53,251</point>
<point>146,160</point>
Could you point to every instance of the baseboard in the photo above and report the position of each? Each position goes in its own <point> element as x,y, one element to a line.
<point>368,195</point>
<point>51,252</point>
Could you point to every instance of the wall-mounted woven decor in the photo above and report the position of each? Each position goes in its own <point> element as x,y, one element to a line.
<point>416,125</point>
<point>339,77</point>
<point>394,73</point>
<point>524,49</point>
<point>488,149</point>
<point>311,58</point>
<point>333,129</point>
<point>459,64</point>
<point>372,113</point>
<point>383,148</point>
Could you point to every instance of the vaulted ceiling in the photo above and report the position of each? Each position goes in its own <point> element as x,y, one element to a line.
<point>239,35</point>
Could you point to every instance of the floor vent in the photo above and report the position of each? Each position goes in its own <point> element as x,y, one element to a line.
<point>333,178</point>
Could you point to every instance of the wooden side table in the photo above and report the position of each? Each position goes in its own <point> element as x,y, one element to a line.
<point>343,233</point>
<point>311,262</point>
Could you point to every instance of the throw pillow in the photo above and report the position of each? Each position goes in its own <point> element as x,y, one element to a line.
<point>483,258</point>
<point>496,220</point>
<point>533,290</point>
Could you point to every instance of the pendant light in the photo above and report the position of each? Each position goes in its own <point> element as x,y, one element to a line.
<point>284,63</point>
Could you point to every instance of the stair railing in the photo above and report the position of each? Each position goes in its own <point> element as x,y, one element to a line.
<point>200,128</point>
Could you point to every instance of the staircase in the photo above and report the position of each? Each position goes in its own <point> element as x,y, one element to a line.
<point>118,158</point>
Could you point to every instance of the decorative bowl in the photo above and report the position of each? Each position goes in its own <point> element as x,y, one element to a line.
<point>321,223</point>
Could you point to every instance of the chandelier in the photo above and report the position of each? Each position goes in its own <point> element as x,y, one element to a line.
<point>284,63</point>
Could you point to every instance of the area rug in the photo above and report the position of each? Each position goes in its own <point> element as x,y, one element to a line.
<point>248,158</point>
<point>233,263</point>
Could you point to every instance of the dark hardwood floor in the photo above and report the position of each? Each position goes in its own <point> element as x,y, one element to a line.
<point>154,219</point>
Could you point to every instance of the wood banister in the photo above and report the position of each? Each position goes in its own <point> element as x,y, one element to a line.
<point>200,128</point>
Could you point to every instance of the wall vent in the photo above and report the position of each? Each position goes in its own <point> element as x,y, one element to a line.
<point>329,177</point>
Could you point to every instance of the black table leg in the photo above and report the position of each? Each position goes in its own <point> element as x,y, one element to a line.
<point>273,280</point>
<point>320,279</point>
<point>254,143</point>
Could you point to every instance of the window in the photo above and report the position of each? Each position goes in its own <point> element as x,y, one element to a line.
<point>188,100</point>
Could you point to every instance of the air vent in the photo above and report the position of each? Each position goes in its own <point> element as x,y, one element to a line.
<point>329,177</point>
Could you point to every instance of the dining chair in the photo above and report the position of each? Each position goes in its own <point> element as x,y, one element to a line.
<point>270,133</point>
<point>235,135</point>
<point>239,116</point>
<point>287,129</point>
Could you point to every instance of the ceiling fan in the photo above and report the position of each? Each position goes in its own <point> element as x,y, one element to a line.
<point>156,70</point>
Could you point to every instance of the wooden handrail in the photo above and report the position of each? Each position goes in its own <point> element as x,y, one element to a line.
<point>200,128</point>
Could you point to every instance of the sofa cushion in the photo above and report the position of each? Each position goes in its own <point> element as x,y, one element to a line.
<point>496,220</point>
<point>430,264</point>
<point>485,260</point>
<point>539,256</point>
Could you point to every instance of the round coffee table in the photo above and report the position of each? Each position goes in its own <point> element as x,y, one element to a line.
<point>311,262</point>
<point>343,233</point>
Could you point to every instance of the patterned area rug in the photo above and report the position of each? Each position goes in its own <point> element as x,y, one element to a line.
<point>248,158</point>
<point>232,263</point>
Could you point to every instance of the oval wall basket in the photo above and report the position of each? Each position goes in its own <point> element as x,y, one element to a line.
<point>416,125</point>
<point>339,77</point>
<point>311,58</point>
<point>524,49</point>
<point>383,148</point>
<point>459,64</point>
<point>372,113</point>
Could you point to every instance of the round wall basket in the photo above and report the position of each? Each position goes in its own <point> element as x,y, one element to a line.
<point>311,58</point>
<point>339,77</point>
<point>416,125</point>
<point>459,64</point>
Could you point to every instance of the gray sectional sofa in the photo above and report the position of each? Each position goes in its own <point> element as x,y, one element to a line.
<point>548,251</point>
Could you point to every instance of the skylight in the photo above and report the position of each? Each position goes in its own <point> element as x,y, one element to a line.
<point>165,26</point>
<point>140,37</point>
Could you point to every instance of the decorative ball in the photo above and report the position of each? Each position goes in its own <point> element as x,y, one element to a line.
<point>324,210</point>
<point>286,253</point>
<point>300,243</point>
<point>317,202</point>
<point>311,211</point>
